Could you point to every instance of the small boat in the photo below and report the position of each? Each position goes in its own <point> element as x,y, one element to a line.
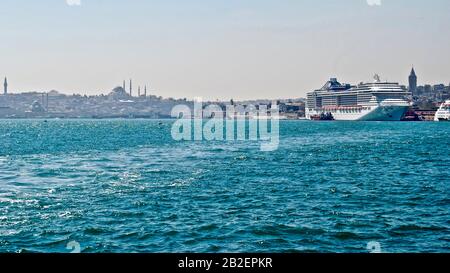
<point>323,116</point>
<point>443,114</point>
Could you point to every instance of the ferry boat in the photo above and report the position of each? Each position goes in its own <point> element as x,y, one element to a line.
<point>376,101</point>
<point>443,114</point>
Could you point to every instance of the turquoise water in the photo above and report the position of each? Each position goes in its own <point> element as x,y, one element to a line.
<point>126,186</point>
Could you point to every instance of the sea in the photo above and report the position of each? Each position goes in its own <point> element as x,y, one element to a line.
<point>125,186</point>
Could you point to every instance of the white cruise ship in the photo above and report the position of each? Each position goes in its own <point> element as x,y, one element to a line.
<point>377,101</point>
<point>443,114</point>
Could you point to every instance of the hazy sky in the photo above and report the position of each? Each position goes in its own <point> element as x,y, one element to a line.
<point>220,49</point>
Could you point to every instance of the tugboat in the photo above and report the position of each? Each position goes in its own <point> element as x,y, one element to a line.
<point>443,114</point>
<point>322,116</point>
<point>326,116</point>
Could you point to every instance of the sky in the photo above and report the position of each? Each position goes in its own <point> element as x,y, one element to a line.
<point>220,49</point>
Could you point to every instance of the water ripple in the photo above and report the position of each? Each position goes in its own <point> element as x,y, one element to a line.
<point>331,187</point>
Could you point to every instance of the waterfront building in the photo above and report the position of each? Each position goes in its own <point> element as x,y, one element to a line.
<point>439,88</point>
<point>420,90</point>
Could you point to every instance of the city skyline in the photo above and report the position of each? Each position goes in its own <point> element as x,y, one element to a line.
<point>222,50</point>
<point>412,85</point>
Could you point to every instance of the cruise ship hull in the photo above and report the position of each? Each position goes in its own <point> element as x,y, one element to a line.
<point>386,113</point>
<point>378,113</point>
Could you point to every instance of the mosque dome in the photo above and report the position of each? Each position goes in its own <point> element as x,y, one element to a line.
<point>36,107</point>
<point>119,93</point>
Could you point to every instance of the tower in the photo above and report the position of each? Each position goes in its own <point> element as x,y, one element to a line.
<point>124,86</point>
<point>131,88</point>
<point>5,86</point>
<point>145,91</point>
<point>413,82</point>
<point>139,91</point>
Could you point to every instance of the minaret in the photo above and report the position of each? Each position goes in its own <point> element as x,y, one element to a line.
<point>139,91</point>
<point>145,91</point>
<point>413,82</point>
<point>124,86</point>
<point>131,88</point>
<point>5,85</point>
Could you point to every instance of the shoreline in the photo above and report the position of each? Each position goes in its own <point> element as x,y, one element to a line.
<point>173,119</point>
